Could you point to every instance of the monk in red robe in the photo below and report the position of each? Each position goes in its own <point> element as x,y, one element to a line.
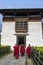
<point>16,52</point>
<point>28,51</point>
<point>22,50</point>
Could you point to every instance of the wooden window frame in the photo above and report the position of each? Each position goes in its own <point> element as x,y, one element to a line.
<point>22,26</point>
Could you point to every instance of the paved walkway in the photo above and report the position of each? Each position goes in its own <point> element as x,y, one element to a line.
<point>29,61</point>
<point>10,60</point>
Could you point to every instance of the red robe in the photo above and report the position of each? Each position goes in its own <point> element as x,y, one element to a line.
<point>28,51</point>
<point>16,51</point>
<point>22,50</point>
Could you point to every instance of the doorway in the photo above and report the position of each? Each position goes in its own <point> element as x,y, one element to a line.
<point>21,39</point>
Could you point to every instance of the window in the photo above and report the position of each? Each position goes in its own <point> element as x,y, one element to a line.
<point>21,26</point>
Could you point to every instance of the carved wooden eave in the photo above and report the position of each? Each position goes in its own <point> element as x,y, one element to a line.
<point>19,14</point>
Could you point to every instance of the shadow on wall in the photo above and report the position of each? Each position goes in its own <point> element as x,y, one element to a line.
<point>0,23</point>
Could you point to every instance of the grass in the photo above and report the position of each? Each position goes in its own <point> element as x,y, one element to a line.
<point>3,55</point>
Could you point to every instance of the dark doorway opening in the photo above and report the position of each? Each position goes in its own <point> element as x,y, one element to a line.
<point>21,40</point>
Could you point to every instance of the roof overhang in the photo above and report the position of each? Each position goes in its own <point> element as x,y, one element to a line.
<point>21,12</point>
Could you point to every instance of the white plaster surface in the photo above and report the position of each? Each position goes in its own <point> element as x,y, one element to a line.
<point>34,30</point>
<point>8,31</point>
<point>35,34</point>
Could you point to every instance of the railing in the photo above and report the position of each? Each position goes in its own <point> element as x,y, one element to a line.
<point>37,57</point>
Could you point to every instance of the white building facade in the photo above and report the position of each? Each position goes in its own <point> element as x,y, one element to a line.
<point>15,31</point>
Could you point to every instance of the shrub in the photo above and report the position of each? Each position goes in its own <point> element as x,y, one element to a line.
<point>4,49</point>
<point>41,52</point>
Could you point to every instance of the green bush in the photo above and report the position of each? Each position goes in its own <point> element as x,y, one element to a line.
<point>4,49</point>
<point>39,49</point>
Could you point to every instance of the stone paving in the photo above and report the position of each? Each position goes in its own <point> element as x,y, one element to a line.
<point>10,60</point>
<point>29,61</point>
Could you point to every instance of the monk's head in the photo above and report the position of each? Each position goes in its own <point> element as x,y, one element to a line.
<point>29,45</point>
<point>16,44</point>
<point>22,44</point>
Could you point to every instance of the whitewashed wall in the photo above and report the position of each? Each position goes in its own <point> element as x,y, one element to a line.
<point>35,34</point>
<point>34,30</point>
<point>8,31</point>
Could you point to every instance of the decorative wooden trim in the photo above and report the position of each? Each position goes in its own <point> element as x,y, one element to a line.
<point>21,34</point>
<point>21,19</point>
<point>23,31</point>
<point>28,19</point>
<point>35,19</point>
<point>8,19</point>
